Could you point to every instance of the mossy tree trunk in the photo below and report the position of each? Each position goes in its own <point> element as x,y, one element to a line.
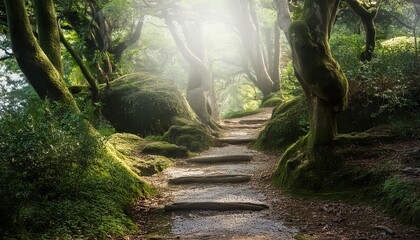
<point>35,64</point>
<point>319,74</point>
<point>367,13</point>
<point>48,32</point>
<point>249,30</point>
<point>272,37</point>
<point>325,86</point>
<point>200,91</point>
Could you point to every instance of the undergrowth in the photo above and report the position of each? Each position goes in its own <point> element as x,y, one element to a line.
<point>59,181</point>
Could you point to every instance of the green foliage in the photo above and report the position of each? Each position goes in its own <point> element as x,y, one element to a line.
<point>166,149</point>
<point>407,127</point>
<point>193,135</point>
<point>289,83</point>
<point>58,181</point>
<point>402,198</point>
<point>242,113</point>
<point>130,148</point>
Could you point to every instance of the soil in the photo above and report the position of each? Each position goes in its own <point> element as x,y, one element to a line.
<point>288,217</point>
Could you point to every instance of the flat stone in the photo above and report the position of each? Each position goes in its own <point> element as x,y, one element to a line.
<point>253,121</point>
<point>211,179</point>
<point>221,159</point>
<point>236,140</point>
<point>216,206</point>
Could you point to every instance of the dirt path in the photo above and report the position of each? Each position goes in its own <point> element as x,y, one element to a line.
<point>216,207</point>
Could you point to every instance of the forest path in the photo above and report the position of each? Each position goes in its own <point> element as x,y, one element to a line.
<point>226,193</point>
<point>214,195</point>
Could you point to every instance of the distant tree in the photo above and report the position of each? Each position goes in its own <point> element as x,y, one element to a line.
<point>200,90</point>
<point>106,29</point>
<point>246,21</point>
<point>367,11</point>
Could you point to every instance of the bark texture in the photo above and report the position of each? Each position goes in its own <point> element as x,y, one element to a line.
<point>325,86</point>
<point>48,32</point>
<point>319,74</point>
<point>35,64</point>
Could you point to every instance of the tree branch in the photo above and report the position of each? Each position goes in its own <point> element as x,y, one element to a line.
<point>85,71</point>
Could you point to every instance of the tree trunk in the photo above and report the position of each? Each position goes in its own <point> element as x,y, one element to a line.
<point>200,92</point>
<point>275,67</point>
<point>325,86</point>
<point>93,83</point>
<point>244,11</point>
<point>319,74</point>
<point>48,32</point>
<point>40,72</point>
<point>367,14</point>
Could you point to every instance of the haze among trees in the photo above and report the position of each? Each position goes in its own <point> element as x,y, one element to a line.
<point>97,94</point>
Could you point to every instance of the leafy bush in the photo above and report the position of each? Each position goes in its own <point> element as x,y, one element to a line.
<point>402,197</point>
<point>57,180</point>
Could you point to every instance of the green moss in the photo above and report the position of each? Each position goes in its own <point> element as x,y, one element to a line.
<point>289,122</point>
<point>143,157</point>
<point>271,100</point>
<point>324,169</point>
<point>241,113</point>
<point>192,135</point>
<point>166,149</point>
<point>143,104</point>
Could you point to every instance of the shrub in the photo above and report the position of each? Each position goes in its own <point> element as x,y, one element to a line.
<point>57,180</point>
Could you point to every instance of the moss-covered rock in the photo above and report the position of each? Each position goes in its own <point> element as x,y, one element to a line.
<point>271,100</point>
<point>242,113</point>
<point>143,104</point>
<point>144,157</point>
<point>191,134</point>
<point>166,149</point>
<point>288,122</point>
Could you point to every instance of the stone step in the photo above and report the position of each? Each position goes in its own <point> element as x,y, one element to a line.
<point>253,121</point>
<point>237,140</point>
<point>216,206</point>
<point>243,126</point>
<point>221,159</point>
<point>211,179</point>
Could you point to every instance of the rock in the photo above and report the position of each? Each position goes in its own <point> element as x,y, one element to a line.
<point>165,149</point>
<point>386,229</point>
<point>221,159</point>
<point>143,104</point>
<point>188,133</point>
<point>211,179</point>
<point>216,206</point>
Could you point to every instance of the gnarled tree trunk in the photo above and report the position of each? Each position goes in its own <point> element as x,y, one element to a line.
<point>35,64</point>
<point>245,14</point>
<point>325,86</point>
<point>200,92</point>
<point>367,14</point>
